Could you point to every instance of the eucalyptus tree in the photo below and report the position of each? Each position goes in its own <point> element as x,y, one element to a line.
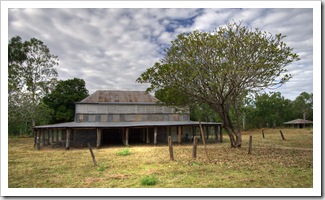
<point>32,74</point>
<point>219,69</point>
<point>17,55</point>
<point>303,105</point>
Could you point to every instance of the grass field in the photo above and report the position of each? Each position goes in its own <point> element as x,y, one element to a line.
<point>274,163</point>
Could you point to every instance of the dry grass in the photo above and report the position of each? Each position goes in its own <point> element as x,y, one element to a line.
<point>274,163</point>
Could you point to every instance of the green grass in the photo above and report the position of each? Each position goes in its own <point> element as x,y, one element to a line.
<point>274,163</point>
<point>149,180</point>
<point>123,152</point>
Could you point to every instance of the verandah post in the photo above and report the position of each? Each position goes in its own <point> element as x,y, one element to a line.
<point>48,137</point>
<point>99,137</point>
<point>207,131</point>
<point>67,144</point>
<point>220,128</point>
<point>52,136</point>
<point>38,145</point>
<point>147,136</point>
<point>127,136</point>
<point>57,135</point>
<point>43,137</point>
<point>216,132</point>
<point>155,136</point>
<point>35,136</point>
<point>179,134</point>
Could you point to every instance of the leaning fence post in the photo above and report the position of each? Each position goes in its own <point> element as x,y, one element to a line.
<point>250,144</point>
<point>194,147</point>
<point>92,154</point>
<point>282,135</point>
<point>171,154</point>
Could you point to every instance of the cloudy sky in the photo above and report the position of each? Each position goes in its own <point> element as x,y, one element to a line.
<point>109,48</point>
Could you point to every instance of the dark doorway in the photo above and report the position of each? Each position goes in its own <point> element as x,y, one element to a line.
<point>112,136</point>
<point>136,135</point>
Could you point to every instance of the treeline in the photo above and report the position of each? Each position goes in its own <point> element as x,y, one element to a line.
<point>264,110</point>
<point>35,94</point>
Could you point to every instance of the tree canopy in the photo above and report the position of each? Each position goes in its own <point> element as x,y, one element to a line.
<point>62,99</point>
<point>303,105</point>
<point>31,75</point>
<point>219,69</point>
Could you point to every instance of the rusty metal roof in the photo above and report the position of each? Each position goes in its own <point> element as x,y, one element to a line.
<point>123,124</point>
<point>116,96</point>
<point>299,121</point>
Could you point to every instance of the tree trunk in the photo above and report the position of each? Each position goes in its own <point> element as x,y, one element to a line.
<point>244,121</point>
<point>233,132</point>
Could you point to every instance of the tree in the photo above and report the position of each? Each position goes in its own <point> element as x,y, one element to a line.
<point>303,105</point>
<point>31,75</point>
<point>272,109</point>
<point>17,54</point>
<point>62,99</point>
<point>220,69</point>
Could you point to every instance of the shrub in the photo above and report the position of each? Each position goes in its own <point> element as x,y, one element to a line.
<point>149,180</point>
<point>123,152</point>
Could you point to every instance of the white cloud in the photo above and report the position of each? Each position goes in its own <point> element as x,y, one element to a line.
<point>110,48</point>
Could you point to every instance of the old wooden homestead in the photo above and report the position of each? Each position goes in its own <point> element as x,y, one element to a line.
<point>123,117</point>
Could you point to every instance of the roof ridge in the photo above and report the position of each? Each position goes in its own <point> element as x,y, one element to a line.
<point>124,96</point>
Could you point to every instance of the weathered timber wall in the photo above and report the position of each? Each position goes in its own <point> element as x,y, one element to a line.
<point>130,117</point>
<point>125,109</point>
<point>128,113</point>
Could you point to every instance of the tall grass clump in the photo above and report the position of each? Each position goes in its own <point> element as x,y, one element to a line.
<point>124,152</point>
<point>149,180</point>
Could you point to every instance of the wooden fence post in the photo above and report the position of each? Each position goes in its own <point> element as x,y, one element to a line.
<point>92,154</point>
<point>203,140</point>
<point>67,142</point>
<point>250,144</point>
<point>282,135</point>
<point>170,145</point>
<point>194,147</point>
<point>263,133</point>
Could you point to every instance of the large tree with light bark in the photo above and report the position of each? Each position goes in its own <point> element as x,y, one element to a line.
<point>219,69</point>
<point>31,75</point>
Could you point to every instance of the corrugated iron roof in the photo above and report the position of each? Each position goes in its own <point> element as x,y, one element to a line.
<point>116,96</point>
<point>124,124</point>
<point>299,121</point>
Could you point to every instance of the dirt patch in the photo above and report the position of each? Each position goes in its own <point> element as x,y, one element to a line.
<point>118,176</point>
